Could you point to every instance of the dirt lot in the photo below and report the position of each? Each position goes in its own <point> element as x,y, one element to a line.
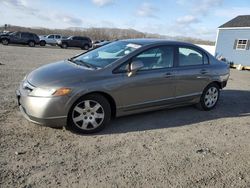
<point>181,147</point>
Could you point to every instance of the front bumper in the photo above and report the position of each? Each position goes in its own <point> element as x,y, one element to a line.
<point>43,110</point>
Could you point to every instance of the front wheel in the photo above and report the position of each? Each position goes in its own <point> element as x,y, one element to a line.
<point>64,45</point>
<point>42,43</point>
<point>5,41</point>
<point>209,97</point>
<point>89,114</point>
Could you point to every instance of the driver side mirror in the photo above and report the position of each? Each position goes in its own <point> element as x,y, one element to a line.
<point>134,67</point>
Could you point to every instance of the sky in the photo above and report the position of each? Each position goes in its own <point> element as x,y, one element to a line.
<point>189,18</point>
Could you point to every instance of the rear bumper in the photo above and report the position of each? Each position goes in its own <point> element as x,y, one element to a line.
<point>44,111</point>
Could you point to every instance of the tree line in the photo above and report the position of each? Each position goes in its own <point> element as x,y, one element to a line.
<point>102,33</point>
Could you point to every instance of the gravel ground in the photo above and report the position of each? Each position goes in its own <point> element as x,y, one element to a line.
<point>181,147</point>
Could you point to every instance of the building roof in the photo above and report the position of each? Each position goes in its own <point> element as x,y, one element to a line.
<point>239,21</point>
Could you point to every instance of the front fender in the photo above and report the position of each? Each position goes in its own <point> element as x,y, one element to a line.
<point>76,95</point>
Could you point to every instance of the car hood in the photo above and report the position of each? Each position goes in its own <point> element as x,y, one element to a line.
<point>4,35</point>
<point>61,73</point>
<point>42,37</point>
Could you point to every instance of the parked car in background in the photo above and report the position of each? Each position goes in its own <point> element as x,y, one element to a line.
<point>97,41</point>
<point>63,38</point>
<point>98,45</point>
<point>50,39</point>
<point>30,39</point>
<point>75,41</point>
<point>121,78</point>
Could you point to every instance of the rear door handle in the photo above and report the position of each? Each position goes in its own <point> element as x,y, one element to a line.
<point>203,71</point>
<point>168,75</point>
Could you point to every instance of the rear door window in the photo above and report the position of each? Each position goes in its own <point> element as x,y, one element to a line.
<point>157,58</point>
<point>189,56</point>
<point>25,35</point>
<point>31,36</point>
<point>76,38</point>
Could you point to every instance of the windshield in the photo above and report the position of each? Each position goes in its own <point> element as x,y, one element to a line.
<point>107,54</point>
<point>14,33</point>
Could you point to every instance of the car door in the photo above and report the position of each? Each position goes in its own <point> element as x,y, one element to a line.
<point>75,42</point>
<point>57,37</point>
<point>191,73</point>
<point>25,37</point>
<point>79,42</point>
<point>15,38</point>
<point>51,39</point>
<point>153,85</point>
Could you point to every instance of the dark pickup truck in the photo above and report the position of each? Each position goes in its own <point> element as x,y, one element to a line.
<point>26,38</point>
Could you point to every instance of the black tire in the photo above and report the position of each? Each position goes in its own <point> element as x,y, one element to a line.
<point>208,101</point>
<point>31,43</point>
<point>85,47</point>
<point>64,45</point>
<point>83,124</point>
<point>42,43</point>
<point>5,41</point>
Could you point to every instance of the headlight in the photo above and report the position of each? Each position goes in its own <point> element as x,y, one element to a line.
<point>43,92</point>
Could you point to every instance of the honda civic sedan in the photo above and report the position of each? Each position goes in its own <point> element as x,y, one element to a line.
<point>121,78</point>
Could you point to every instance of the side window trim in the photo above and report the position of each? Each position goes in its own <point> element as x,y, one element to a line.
<point>205,55</point>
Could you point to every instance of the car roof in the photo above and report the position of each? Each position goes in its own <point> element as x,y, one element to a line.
<point>79,36</point>
<point>24,32</point>
<point>145,41</point>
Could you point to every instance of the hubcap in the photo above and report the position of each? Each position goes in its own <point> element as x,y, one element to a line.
<point>211,97</point>
<point>88,115</point>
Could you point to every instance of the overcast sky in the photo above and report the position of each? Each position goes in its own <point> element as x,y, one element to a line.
<point>195,18</point>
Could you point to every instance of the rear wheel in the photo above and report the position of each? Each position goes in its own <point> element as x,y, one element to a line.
<point>209,97</point>
<point>85,47</point>
<point>31,44</point>
<point>90,114</point>
<point>5,41</point>
<point>42,43</point>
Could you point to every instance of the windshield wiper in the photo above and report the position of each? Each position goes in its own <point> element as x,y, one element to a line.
<point>81,62</point>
